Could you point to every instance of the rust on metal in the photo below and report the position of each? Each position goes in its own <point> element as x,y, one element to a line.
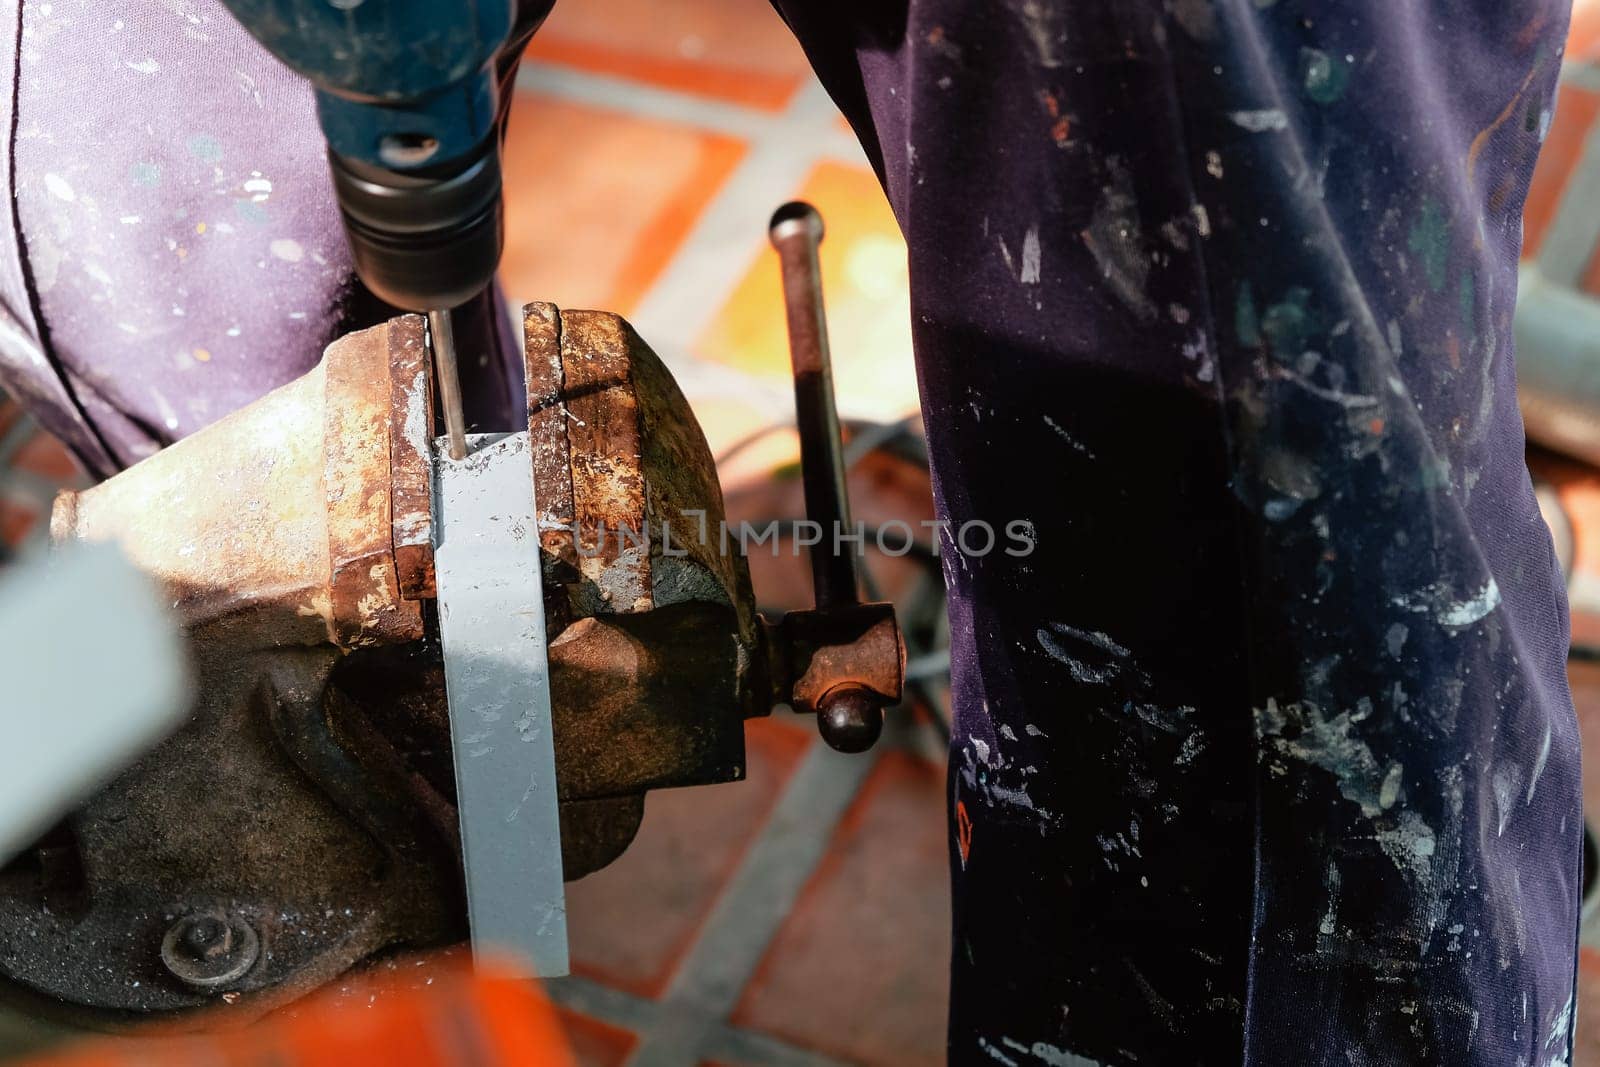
<point>410,464</point>
<point>617,448</point>
<point>547,438</point>
<point>603,444</point>
<point>815,653</point>
<point>365,589</point>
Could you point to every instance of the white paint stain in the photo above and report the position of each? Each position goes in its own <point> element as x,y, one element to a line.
<point>58,187</point>
<point>1334,744</point>
<point>1078,664</point>
<point>1395,638</point>
<point>1330,918</point>
<point>1449,612</point>
<point>1539,764</point>
<point>1053,1056</point>
<point>1031,256</point>
<point>1045,25</point>
<point>995,1054</point>
<point>169,417</point>
<point>47,259</point>
<point>1394,339</point>
<point>1410,845</point>
<point>1559,1033</point>
<point>1115,238</point>
<point>1077,445</point>
<point>287,249</point>
<point>1471,610</point>
<point>1265,120</point>
<point>144,66</point>
<point>1505,782</point>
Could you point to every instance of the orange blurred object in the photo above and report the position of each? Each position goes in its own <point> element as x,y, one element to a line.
<point>436,1013</point>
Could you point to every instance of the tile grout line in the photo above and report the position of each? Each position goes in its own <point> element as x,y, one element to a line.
<point>640,99</point>
<point>643,100</point>
<point>638,1015</point>
<point>782,148</point>
<point>718,251</point>
<point>754,905</point>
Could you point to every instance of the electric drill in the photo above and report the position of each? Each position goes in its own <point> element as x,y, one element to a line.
<point>409,97</point>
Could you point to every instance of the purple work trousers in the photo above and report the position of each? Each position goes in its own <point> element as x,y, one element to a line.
<point>1265,754</point>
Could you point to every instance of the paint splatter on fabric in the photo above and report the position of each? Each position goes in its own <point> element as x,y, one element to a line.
<point>1266,755</point>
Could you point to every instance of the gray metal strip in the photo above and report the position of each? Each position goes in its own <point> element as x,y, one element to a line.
<point>497,678</point>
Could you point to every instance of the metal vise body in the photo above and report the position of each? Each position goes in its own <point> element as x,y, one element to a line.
<point>304,819</point>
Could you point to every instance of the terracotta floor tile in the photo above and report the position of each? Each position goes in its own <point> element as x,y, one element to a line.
<point>880,895</point>
<point>1585,678</point>
<point>1583,42</point>
<point>630,923</point>
<point>735,50</point>
<point>17,520</point>
<point>597,201</point>
<point>10,412</point>
<point>1576,109</point>
<point>867,292</point>
<point>45,456</point>
<point>594,1043</point>
<point>1586,1039</point>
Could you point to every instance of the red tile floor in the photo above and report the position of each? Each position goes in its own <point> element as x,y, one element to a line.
<point>648,145</point>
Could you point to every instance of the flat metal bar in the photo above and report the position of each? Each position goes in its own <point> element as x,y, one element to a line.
<point>497,678</point>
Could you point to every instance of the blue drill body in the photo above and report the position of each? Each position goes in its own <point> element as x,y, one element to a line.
<point>382,69</point>
<point>408,99</point>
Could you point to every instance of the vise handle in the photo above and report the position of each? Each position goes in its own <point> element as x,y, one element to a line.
<point>843,660</point>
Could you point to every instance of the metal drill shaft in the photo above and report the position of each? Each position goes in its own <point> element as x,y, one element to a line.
<point>442,342</point>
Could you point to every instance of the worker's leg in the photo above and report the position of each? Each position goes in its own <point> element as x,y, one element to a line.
<point>1266,752</point>
<point>176,250</point>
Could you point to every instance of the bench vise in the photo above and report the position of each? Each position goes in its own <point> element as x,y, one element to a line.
<point>304,819</point>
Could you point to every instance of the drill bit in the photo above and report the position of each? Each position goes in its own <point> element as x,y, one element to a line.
<point>442,342</point>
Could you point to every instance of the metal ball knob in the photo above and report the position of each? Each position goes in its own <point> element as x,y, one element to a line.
<point>850,719</point>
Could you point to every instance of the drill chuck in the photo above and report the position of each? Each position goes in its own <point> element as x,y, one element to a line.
<point>424,240</point>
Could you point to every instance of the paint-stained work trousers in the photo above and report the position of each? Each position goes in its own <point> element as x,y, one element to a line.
<point>1266,754</point>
